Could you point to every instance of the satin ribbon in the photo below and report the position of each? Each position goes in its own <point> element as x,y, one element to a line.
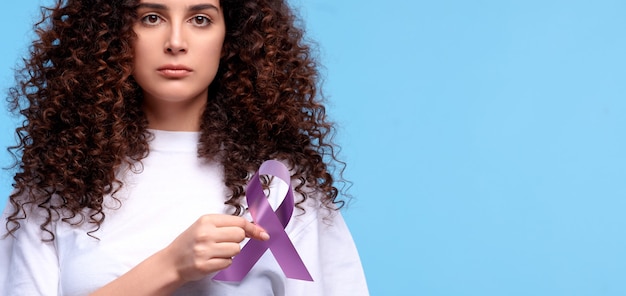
<point>274,223</point>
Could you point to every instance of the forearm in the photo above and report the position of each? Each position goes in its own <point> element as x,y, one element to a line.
<point>206,246</point>
<point>154,276</point>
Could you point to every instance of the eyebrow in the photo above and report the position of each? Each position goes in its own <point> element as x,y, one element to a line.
<point>155,6</point>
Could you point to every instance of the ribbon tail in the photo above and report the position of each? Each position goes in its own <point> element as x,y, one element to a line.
<point>289,260</point>
<point>243,263</point>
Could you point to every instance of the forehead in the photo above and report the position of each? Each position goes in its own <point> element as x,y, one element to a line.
<point>169,3</point>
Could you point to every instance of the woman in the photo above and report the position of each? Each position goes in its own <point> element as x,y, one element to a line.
<point>144,121</point>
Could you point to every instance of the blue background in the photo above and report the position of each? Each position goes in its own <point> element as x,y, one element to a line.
<point>486,139</point>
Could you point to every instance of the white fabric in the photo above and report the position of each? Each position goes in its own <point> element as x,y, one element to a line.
<point>171,190</point>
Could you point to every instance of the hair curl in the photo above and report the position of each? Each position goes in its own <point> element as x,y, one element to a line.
<point>84,120</point>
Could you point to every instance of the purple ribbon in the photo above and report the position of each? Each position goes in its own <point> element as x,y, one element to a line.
<point>274,223</point>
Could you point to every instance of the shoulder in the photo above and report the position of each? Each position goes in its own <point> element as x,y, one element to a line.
<point>27,216</point>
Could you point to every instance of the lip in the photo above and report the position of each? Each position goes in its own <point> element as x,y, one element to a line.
<point>174,71</point>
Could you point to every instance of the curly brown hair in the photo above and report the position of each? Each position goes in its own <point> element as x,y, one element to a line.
<point>84,120</point>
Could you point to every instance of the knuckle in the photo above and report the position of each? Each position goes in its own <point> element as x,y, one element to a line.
<point>205,219</point>
<point>199,239</point>
<point>236,250</point>
<point>198,251</point>
<point>240,234</point>
<point>198,264</point>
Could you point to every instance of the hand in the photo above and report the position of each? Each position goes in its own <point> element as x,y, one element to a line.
<point>209,244</point>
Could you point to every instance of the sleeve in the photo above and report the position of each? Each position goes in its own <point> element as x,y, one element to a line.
<point>29,265</point>
<point>6,248</point>
<point>326,246</point>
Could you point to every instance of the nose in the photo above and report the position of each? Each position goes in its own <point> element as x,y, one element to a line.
<point>176,42</point>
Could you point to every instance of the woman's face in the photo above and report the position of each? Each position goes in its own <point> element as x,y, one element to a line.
<point>177,50</point>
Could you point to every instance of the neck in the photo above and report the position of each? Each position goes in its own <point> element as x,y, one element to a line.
<point>174,116</point>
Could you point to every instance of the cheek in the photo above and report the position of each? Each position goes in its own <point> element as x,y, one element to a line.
<point>212,47</point>
<point>144,44</point>
<point>143,55</point>
<point>140,50</point>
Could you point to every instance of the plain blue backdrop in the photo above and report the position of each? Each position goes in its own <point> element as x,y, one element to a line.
<point>486,139</point>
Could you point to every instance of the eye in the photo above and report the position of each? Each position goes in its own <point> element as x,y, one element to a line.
<point>200,21</point>
<point>151,20</point>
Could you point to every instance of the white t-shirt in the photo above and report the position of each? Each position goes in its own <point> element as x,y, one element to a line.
<point>168,193</point>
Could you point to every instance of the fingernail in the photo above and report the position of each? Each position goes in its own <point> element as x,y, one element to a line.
<point>264,235</point>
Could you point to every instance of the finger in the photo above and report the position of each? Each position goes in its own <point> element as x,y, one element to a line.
<point>230,234</point>
<point>227,220</point>
<point>255,231</point>
<point>252,230</point>
<point>225,250</point>
<point>216,264</point>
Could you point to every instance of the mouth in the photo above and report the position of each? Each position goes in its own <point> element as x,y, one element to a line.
<point>174,71</point>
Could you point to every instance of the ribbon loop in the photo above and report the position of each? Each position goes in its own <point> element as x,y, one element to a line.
<point>274,223</point>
